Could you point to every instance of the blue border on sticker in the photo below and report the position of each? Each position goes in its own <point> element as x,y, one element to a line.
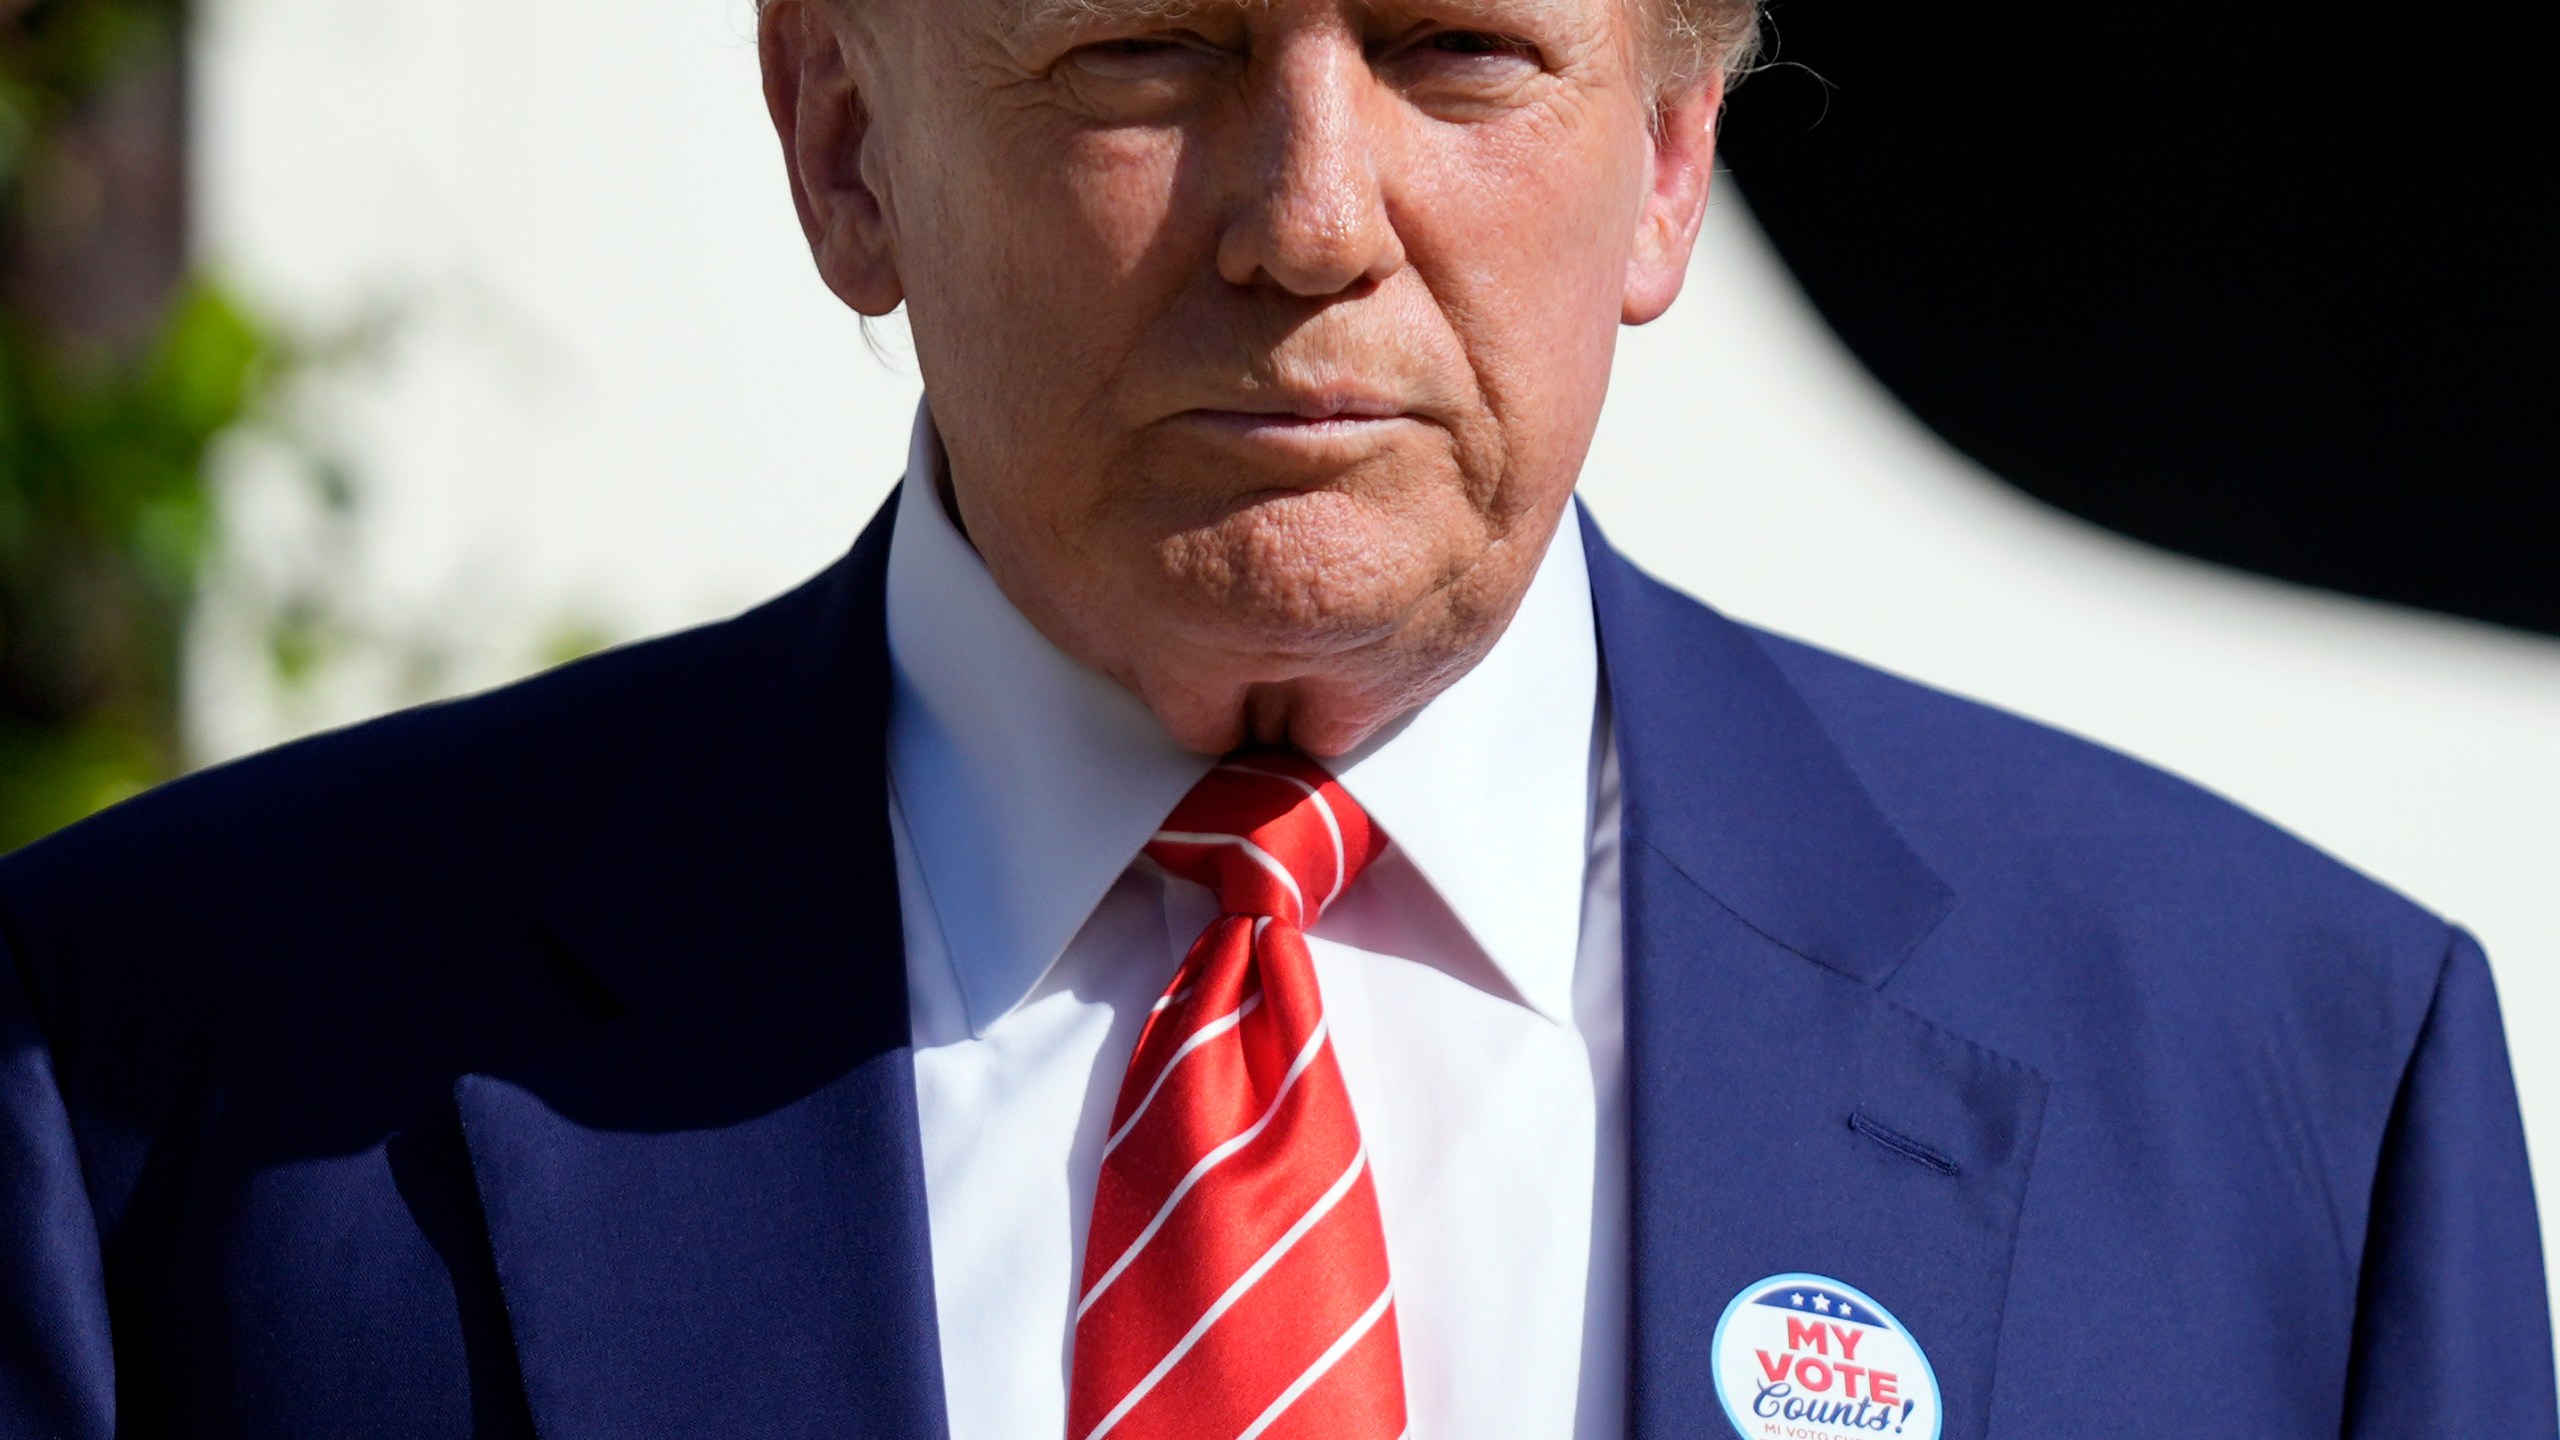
<point>1754,1290</point>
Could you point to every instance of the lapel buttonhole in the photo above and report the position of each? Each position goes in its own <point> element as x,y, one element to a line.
<point>1925,1156</point>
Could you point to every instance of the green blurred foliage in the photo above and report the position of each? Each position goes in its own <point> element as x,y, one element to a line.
<point>106,521</point>
<point>106,512</point>
<point>125,375</point>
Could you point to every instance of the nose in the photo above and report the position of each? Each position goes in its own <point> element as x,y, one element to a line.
<point>1311,214</point>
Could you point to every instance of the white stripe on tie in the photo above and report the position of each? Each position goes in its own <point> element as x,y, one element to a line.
<point>1199,1037</point>
<point>1208,1162</point>
<point>1324,811</point>
<point>1324,1362</point>
<point>1244,1284</point>
<point>1260,856</point>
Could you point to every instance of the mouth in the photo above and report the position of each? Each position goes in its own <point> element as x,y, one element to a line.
<point>1299,421</point>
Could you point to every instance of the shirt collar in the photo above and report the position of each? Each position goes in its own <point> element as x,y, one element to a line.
<point>1487,789</point>
<point>1028,782</point>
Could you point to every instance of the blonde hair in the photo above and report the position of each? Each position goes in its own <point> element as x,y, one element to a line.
<point>1697,38</point>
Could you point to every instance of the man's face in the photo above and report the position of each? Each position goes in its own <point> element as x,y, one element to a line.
<point>1266,339</point>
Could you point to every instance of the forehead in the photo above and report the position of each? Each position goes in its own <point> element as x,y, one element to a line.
<point>1033,16</point>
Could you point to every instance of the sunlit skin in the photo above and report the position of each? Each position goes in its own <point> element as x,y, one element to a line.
<point>1265,337</point>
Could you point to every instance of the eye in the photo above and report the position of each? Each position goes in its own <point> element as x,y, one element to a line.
<point>1476,42</point>
<point>1463,71</point>
<point>1144,79</point>
<point>1139,57</point>
<point>1140,46</point>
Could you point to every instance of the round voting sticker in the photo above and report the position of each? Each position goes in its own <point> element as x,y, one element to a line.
<point>1805,1357</point>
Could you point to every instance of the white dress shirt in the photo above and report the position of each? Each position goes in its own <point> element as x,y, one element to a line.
<point>1472,979</point>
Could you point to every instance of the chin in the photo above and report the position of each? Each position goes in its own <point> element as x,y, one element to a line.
<point>1310,572</point>
<point>1294,623</point>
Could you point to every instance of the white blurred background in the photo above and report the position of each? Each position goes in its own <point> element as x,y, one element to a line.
<point>613,399</point>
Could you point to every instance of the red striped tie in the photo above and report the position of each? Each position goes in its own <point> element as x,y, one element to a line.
<point>1235,1273</point>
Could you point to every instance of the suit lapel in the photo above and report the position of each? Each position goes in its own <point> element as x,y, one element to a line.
<point>1787,1114</point>
<point>707,1212</point>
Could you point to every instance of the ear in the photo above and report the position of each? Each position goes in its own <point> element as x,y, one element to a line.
<point>1675,203</point>
<point>815,98</point>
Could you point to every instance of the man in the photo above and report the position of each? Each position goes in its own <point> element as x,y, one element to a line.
<point>1232,911</point>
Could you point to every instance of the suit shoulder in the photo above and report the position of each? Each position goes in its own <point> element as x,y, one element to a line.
<point>470,796</point>
<point>2070,832</point>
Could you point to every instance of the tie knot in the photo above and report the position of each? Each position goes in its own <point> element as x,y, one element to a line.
<point>1272,834</point>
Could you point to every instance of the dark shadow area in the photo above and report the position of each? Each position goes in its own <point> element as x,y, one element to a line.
<point>2256,284</point>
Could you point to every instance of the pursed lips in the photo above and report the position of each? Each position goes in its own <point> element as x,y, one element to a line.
<point>1310,415</point>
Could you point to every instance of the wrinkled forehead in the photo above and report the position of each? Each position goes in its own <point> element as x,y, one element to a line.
<point>1035,16</point>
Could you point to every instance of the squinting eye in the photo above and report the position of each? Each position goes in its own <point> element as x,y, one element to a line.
<point>1474,42</point>
<point>1142,47</point>
<point>1139,58</point>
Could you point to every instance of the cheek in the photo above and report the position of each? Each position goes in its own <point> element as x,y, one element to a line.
<point>1523,233</point>
<point>1078,223</point>
<point>1563,199</point>
<point>1117,201</point>
<point>1048,264</point>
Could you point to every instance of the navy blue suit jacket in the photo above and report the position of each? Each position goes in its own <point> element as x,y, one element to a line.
<point>538,1063</point>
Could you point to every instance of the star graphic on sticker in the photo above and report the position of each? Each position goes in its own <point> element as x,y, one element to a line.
<point>1798,1301</point>
<point>1845,1308</point>
<point>1822,1303</point>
